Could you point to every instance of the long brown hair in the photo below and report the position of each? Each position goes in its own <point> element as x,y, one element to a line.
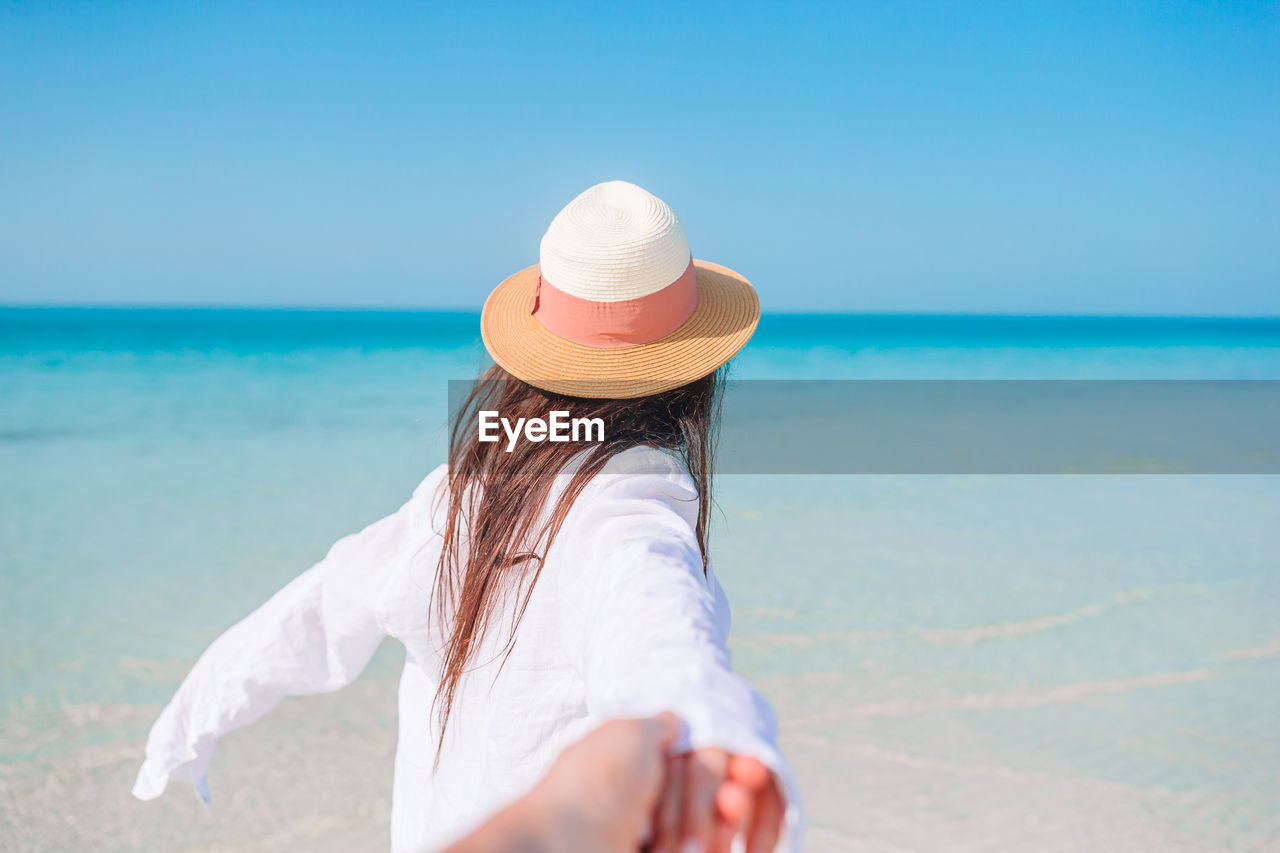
<point>493,539</point>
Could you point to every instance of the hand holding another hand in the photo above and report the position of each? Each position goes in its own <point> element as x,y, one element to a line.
<point>619,786</point>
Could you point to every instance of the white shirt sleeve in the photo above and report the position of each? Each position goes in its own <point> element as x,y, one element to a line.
<point>313,636</point>
<point>648,632</point>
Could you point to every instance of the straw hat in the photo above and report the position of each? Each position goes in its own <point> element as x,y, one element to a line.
<point>617,306</point>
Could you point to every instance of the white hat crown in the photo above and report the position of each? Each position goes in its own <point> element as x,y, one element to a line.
<point>615,241</point>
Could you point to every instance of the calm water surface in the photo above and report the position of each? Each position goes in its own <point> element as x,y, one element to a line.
<point>164,471</point>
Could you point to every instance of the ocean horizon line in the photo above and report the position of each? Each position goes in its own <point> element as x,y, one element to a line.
<point>216,308</point>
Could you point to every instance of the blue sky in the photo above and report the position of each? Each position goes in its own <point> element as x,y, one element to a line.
<point>916,157</point>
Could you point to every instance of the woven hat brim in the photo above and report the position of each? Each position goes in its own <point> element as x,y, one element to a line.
<point>727,314</point>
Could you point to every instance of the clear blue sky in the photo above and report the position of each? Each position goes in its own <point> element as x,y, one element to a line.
<point>974,157</point>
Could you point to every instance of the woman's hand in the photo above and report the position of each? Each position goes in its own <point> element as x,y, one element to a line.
<point>711,796</point>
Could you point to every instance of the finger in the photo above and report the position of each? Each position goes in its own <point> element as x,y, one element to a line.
<point>733,801</point>
<point>766,824</point>
<point>706,772</point>
<point>664,728</point>
<point>750,772</point>
<point>666,821</point>
<point>723,840</point>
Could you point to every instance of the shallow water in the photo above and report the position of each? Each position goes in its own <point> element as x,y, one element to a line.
<point>1018,662</point>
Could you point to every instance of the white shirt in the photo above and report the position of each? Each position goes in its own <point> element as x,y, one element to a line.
<point>621,623</point>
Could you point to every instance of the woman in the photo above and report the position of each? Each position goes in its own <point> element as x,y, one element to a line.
<point>539,585</point>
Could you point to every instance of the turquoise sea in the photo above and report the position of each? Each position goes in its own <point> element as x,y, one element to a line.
<point>958,662</point>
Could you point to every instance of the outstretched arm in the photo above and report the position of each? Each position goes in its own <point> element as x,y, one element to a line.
<point>313,636</point>
<point>648,631</point>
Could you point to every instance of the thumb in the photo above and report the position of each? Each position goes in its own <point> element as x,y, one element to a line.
<point>663,729</point>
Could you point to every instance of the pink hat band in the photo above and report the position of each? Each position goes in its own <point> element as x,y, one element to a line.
<point>621,323</point>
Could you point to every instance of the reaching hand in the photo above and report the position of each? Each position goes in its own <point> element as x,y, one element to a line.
<point>602,788</point>
<point>617,787</point>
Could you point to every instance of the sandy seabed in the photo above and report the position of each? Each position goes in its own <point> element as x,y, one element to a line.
<point>316,774</point>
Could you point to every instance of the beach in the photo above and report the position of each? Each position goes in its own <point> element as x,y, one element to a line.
<point>958,662</point>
